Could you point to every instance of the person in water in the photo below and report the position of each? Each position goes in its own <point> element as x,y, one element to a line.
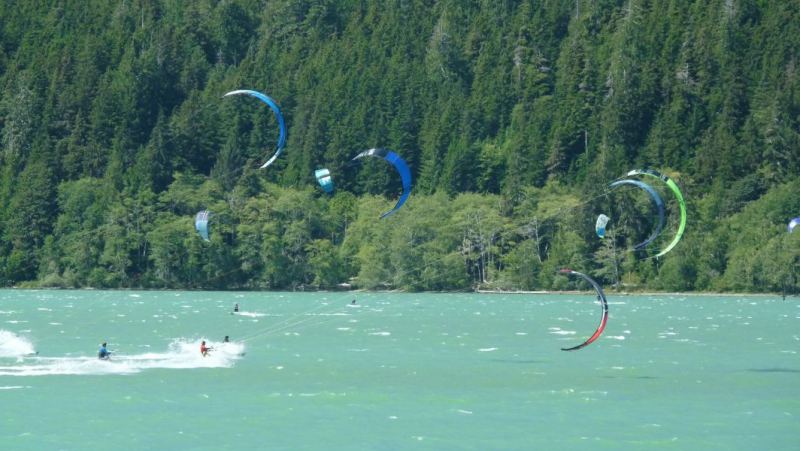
<point>204,349</point>
<point>236,308</point>
<point>354,302</point>
<point>103,353</point>
<point>226,339</point>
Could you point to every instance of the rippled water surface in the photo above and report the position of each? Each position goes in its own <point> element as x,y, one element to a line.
<point>397,371</point>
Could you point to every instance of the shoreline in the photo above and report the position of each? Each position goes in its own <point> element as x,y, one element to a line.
<point>361,290</point>
<point>635,293</point>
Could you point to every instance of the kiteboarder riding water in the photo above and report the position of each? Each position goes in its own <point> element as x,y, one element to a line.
<point>204,349</point>
<point>103,352</point>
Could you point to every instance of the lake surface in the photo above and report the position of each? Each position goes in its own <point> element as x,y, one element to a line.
<point>397,371</point>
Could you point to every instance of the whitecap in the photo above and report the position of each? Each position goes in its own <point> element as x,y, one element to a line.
<point>250,314</point>
<point>487,349</point>
<point>13,345</point>
<point>563,332</point>
<point>181,354</point>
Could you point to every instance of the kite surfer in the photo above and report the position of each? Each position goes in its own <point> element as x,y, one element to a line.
<point>204,349</point>
<point>236,308</point>
<point>103,352</point>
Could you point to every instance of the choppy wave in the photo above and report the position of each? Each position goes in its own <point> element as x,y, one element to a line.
<point>559,331</point>
<point>250,314</point>
<point>12,345</point>
<point>181,354</point>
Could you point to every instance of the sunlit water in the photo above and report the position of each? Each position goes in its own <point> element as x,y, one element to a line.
<point>397,371</point>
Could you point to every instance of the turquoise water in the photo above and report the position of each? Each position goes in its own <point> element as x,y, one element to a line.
<point>397,371</point>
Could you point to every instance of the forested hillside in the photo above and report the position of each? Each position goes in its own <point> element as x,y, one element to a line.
<point>513,116</point>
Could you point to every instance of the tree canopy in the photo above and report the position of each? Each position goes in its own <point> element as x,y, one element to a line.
<point>512,115</point>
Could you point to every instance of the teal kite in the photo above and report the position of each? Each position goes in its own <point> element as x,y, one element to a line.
<point>201,224</point>
<point>324,179</point>
<point>600,225</point>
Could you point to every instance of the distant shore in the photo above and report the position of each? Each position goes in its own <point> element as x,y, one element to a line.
<point>608,292</point>
<point>633,293</point>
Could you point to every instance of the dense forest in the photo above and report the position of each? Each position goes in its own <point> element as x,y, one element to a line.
<point>513,115</point>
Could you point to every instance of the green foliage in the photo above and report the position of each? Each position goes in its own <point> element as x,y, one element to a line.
<point>513,117</point>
